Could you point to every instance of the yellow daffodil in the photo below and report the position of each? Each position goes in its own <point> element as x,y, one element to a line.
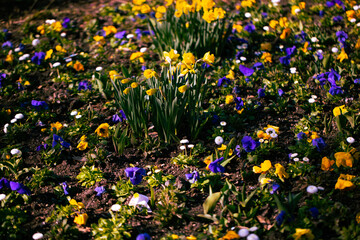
<point>264,167</point>
<point>103,130</point>
<point>148,73</point>
<point>188,60</point>
<point>126,90</point>
<point>265,181</point>
<point>344,159</point>
<point>138,2</point>
<point>209,16</point>
<point>208,58</point>
<point>183,88</point>
<point>171,56</point>
<point>145,9</point>
<point>125,80</point>
<point>326,164</point>
<point>339,110</point>
<point>83,138</point>
<point>342,56</point>
<point>81,219</point>
<point>134,85</point>
<point>78,66</point>
<point>151,91</point>
<point>247,3</point>
<point>280,172</point>
<point>219,13</point>
<point>300,232</point>
<point>113,74</point>
<point>56,125</point>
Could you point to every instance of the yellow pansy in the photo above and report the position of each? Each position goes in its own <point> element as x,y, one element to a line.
<point>109,30</point>
<point>280,172</point>
<point>283,22</point>
<point>41,29</point>
<point>326,164</point>
<point>344,182</point>
<point>56,125</point>
<point>264,167</point>
<point>48,54</point>
<point>100,40</point>
<point>78,66</point>
<point>342,56</point>
<point>82,145</point>
<point>138,2</point>
<point>266,57</point>
<point>299,232</point>
<point>81,219</point>
<point>137,55</point>
<point>230,75</point>
<point>344,159</point>
<point>230,235</point>
<point>57,26</point>
<point>286,33</point>
<point>103,130</point>
<point>229,99</point>
<point>60,49</point>
<point>273,24</point>
<point>145,9</point>
<point>238,28</point>
<point>339,110</point>
<point>222,148</point>
<point>9,58</point>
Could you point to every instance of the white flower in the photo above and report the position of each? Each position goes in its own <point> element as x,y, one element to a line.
<point>358,24</point>
<point>24,57</point>
<point>293,70</point>
<point>182,147</point>
<point>73,113</point>
<point>63,34</point>
<point>37,236</point>
<point>68,60</point>
<point>334,49</point>
<point>281,46</point>
<point>98,69</point>
<point>356,7</point>
<point>219,140</point>
<point>2,196</point>
<point>296,159</point>
<point>35,42</point>
<point>350,140</point>
<point>243,232</point>
<point>243,59</point>
<point>314,39</point>
<point>311,100</point>
<point>191,146</point>
<point>17,49</point>
<point>253,229</point>
<point>5,127</point>
<point>56,64</point>
<point>130,36</point>
<point>223,123</point>
<point>144,49</point>
<point>306,159</point>
<point>139,200</point>
<point>252,236</point>
<point>13,120</point>
<point>248,15</point>
<point>116,207</point>
<point>261,140</point>
<point>184,141</point>
<point>237,61</point>
<point>266,28</point>
<point>293,155</point>
<point>312,189</point>
<point>353,20</point>
<point>50,21</point>
<point>314,96</point>
<point>19,116</point>
<point>273,135</point>
<point>78,116</point>
<point>270,130</point>
<point>15,152</point>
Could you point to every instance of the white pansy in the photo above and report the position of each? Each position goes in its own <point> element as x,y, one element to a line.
<point>248,15</point>
<point>24,57</point>
<point>130,36</point>
<point>144,49</point>
<point>139,200</point>
<point>293,70</point>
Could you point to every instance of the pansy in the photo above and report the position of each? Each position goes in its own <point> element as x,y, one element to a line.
<point>274,188</point>
<point>340,110</point>
<point>264,167</point>
<point>56,126</point>
<point>65,188</point>
<point>99,190</point>
<point>261,92</point>
<point>215,166</point>
<point>44,146</point>
<point>239,103</point>
<point>249,144</point>
<point>38,58</point>
<point>344,182</point>
<point>14,186</point>
<point>250,28</point>
<point>344,159</point>
<point>81,219</point>
<point>335,90</point>
<point>135,174</point>
<point>223,80</point>
<point>319,143</point>
<point>326,164</point>
<point>246,71</point>
<point>280,172</point>
<point>78,66</point>
<point>103,130</point>
<point>139,200</point>
<point>57,139</point>
<point>280,218</point>
<point>314,211</point>
<point>299,232</point>
<point>192,177</point>
<point>143,236</point>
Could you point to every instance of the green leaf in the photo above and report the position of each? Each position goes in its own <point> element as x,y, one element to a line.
<point>210,202</point>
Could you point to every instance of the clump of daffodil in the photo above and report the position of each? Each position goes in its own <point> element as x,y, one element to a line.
<point>103,130</point>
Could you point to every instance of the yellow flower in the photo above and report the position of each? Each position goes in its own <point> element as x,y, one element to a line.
<point>342,56</point>
<point>103,130</point>
<point>219,13</point>
<point>171,56</point>
<point>264,167</point>
<point>151,91</point>
<point>208,58</point>
<point>113,74</point>
<point>273,24</point>
<point>183,88</point>
<point>109,30</point>
<point>266,46</point>
<point>168,2</point>
<point>357,46</point>
<point>222,148</point>
<point>60,49</point>
<point>56,125</point>
<point>326,164</point>
<point>286,33</point>
<point>207,161</point>
<point>83,138</point>
<point>125,80</point>
<point>134,85</point>
<point>174,236</point>
<point>339,110</point>
<point>283,22</point>
<point>266,57</point>
<point>9,58</point>
<point>280,172</point>
<point>81,219</point>
<point>302,5</point>
<point>82,145</point>
<point>41,29</point>
<point>145,9</point>
<point>344,182</point>
<point>295,10</point>
<point>48,54</point>
<point>138,2</point>
<point>209,16</point>
<point>78,66</point>
<point>126,90</point>
<point>229,99</point>
<point>273,127</point>
<point>137,55</point>
<point>207,4</point>
<point>188,60</point>
<point>247,3</point>
<point>303,232</point>
<point>230,235</point>
<point>148,73</point>
<point>191,237</point>
<point>305,48</point>
<point>238,27</point>
<point>358,218</point>
<point>344,159</point>
<point>265,181</point>
<point>262,134</point>
<point>100,40</point>
<point>78,205</point>
<point>57,26</point>
<point>230,75</point>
